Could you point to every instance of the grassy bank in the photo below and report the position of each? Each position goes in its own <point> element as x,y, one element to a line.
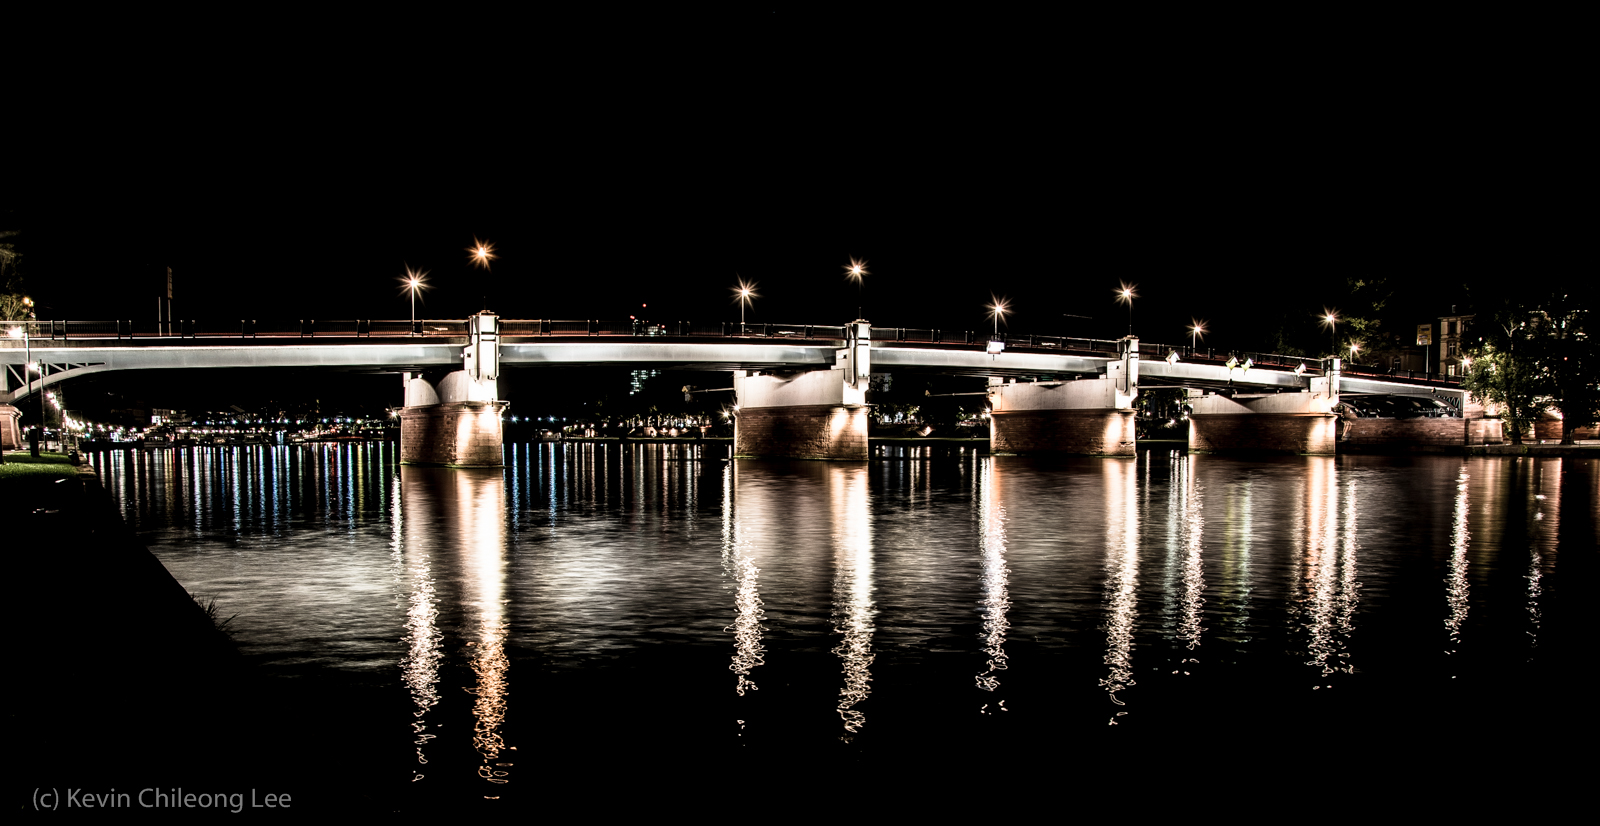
<point>22,466</point>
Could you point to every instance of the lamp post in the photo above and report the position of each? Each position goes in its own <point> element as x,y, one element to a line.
<point>1196,329</point>
<point>413,282</point>
<point>997,309</point>
<point>857,272</point>
<point>27,380</point>
<point>1330,319</point>
<point>1126,295</point>
<point>743,294</point>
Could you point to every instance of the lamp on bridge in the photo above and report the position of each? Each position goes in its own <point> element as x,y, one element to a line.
<point>997,310</point>
<point>1330,319</point>
<point>1196,330</point>
<point>1126,295</point>
<point>413,283</point>
<point>857,272</point>
<point>743,294</point>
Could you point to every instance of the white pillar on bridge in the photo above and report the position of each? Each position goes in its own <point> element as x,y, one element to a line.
<point>818,414</point>
<point>1301,422</point>
<point>455,420</point>
<point>1089,417</point>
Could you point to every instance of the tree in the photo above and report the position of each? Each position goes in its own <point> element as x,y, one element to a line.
<point>1510,380</point>
<point>1533,353</point>
<point>1569,355</point>
<point>14,304</point>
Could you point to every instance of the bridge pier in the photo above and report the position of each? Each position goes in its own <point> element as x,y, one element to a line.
<point>1087,417</point>
<point>454,419</point>
<point>10,431</point>
<point>819,414</point>
<point>1302,423</point>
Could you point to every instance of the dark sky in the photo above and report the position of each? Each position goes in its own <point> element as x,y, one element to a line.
<point>617,163</point>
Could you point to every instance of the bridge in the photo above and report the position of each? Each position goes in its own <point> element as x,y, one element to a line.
<point>800,389</point>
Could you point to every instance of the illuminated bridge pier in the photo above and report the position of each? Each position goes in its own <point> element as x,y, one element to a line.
<point>1302,422</point>
<point>817,414</point>
<point>1087,417</point>
<point>452,417</point>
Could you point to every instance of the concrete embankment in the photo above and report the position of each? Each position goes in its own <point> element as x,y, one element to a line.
<point>122,680</point>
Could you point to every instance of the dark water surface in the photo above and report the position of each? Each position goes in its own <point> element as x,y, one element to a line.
<point>592,613</point>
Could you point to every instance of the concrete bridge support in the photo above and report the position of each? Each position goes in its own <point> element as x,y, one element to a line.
<point>821,414</point>
<point>10,430</point>
<point>454,418</point>
<point>1281,423</point>
<point>1087,417</point>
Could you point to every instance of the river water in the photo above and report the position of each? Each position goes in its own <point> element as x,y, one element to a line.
<point>665,611</point>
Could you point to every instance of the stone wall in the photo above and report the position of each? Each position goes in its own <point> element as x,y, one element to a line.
<point>1416,435</point>
<point>812,431</point>
<point>462,434</point>
<point>1313,433</point>
<point>1549,430</point>
<point>1069,432</point>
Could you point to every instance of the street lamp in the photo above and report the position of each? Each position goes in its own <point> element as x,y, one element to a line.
<point>997,309</point>
<point>856,272</point>
<point>482,253</point>
<point>413,282</point>
<point>1126,295</point>
<point>1196,329</point>
<point>27,380</point>
<point>743,294</point>
<point>1330,319</point>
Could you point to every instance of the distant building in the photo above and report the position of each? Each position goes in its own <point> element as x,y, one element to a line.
<point>1452,338</point>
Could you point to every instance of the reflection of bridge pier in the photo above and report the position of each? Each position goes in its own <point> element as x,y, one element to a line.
<point>455,419</point>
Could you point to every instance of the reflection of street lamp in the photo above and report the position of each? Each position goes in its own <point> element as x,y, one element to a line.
<point>1126,295</point>
<point>856,272</point>
<point>743,293</point>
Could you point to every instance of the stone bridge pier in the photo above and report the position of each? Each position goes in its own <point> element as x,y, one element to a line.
<point>1301,422</point>
<point>818,414</point>
<point>451,417</point>
<point>1086,417</point>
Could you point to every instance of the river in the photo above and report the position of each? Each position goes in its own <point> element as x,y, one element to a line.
<point>658,610</point>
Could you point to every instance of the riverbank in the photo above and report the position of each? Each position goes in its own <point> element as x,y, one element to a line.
<point>123,680</point>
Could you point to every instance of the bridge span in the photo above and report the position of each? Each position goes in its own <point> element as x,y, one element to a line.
<point>800,388</point>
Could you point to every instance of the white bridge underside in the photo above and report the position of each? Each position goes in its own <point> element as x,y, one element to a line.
<point>72,361</point>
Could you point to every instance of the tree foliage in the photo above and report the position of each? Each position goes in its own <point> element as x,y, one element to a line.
<point>1537,352</point>
<point>13,307</point>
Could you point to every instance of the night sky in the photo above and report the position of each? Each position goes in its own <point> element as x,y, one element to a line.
<point>962,159</point>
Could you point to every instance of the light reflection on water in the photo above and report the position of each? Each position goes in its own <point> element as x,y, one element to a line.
<point>850,592</point>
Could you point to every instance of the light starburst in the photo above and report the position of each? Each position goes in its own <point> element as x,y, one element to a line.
<point>482,253</point>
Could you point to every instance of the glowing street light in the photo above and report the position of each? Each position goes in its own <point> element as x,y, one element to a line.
<point>482,253</point>
<point>743,294</point>
<point>1196,330</point>
<point>1330,319</point>
<point>27,381</point>
<point>1126,295</point>
<point>997,310</point>
<point>857,272</point>
<point>414,282</point>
